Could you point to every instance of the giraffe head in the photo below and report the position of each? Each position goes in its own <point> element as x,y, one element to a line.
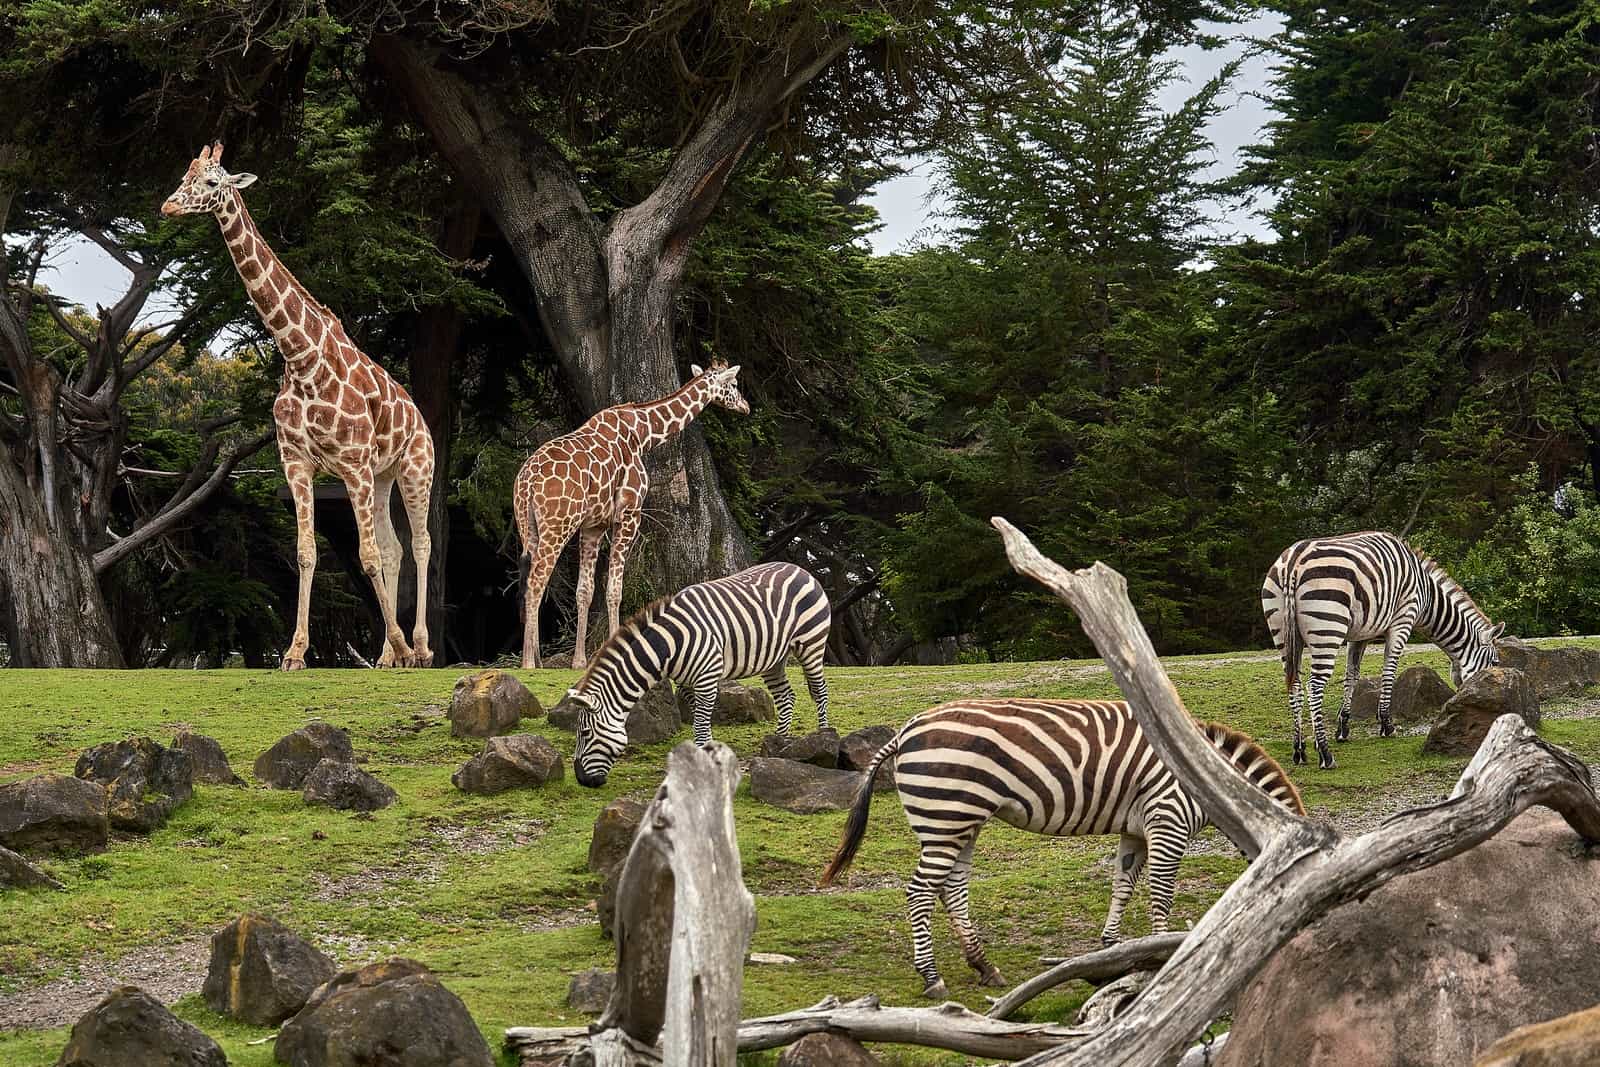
<point>205,187</point>
<point>723,381</point>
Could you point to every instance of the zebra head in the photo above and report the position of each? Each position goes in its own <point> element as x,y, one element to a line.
<point>600,740</point>
<point>1479,654</point>
<point>724,383</point>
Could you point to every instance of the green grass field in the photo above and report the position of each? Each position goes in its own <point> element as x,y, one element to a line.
<point>492,893</point>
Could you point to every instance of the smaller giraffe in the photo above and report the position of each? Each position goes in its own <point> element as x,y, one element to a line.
<point>337,411</point>
<point>593,480</point>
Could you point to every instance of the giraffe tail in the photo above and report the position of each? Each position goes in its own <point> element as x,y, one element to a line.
<point>855,827</point>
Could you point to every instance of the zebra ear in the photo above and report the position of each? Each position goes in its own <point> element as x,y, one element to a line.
<point>1498,629</point>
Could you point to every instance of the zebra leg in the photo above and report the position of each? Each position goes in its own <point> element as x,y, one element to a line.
<point>957,906</point>
<point>1167,844</point>
<point>940,850</point>
<point>777,682</point>
<point>705,703</point>
<point>1352,671</point>
<point>1321,673</point>
<point>811,663</point>
<point>1130,862</point>
<point>1399,634</point>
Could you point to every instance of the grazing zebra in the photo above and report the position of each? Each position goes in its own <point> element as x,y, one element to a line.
<point>1068,768</point>
<point>734,627</point>
<point>1355,589</point>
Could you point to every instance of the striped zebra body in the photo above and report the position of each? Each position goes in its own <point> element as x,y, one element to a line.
<point>735,627</point>
<point>1061,767</point>
<point>1351,590</point>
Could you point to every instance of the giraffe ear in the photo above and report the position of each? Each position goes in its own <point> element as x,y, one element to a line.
<point>733,371</point>
<point>695,371</point>
<point>239,181</point>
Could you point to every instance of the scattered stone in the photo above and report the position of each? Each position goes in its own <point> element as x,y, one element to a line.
<point>590,991</point>
<point>18,873</point>
<point>771,957</point>
<point>1570,1041</point>
<point>736,704</point>
<point>856,751</point>
<point>655,717</point>
<point>346,787</point>
<point>286,764</point>
<point>206,758</point>
<point>389,1014</point>
<point>820,749</point>
<point>1484,698</point>
<point>130,1028</point>
<point>614,830</point>
<point>144,781</point>
<point>490,703</point>
<point>521,761</point>
<point>53,813</point>
<point>802,787</point>
<point>262,972</point>
<point>826,1050</point>
<point>1419,695</point>
<point>1502,934</point>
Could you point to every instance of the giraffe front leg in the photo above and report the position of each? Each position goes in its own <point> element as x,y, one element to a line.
<point>416,489</point>
<point>361,491</point>
<point>588,556</point>
<point>622,537</point>
<point>299,476</point>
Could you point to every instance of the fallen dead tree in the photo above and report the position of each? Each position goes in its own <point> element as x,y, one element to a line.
<point>1138,954</point>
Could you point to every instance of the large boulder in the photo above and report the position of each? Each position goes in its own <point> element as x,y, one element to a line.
<point>1430,969</point>
<point>827,1050</point>
<point>614,830</point>
<point>521,761</point>
<point>206,758</point>
<point>654,718</point>
<point>1468,715</point>
<point>346,787</point>
<point>1418,695</point>
<point>856,752</point>
<point>286,764</point>
<point>53,813</point>
<point>144,781</point>
<point>736,705</point>
<point>130,1028</point>
<point>1554,672</point>
<point>490,703</point>
<point>261,971</point>
<point>18,873</point>
<point>389,1014</point>
<point>820,749</point>
<point>802,787</point>
<point>1570,1041</point>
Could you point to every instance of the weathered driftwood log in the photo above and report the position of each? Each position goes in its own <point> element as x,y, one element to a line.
<point>948,1026</point>
<point>1301,869</point>
<point>684,921</point>
<point>1125,957</point>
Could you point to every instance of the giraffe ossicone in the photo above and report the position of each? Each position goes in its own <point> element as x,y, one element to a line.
<point>337,412</point>
<point>593,481</point>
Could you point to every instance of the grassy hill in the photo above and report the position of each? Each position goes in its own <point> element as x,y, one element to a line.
<point>493,894</point>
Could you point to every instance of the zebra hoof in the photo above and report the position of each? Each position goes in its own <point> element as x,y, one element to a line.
<point>1386,729</point>
<point>991,976</point>
<point>936,990</point>
<point>1325,761</point>
<point>1300,753</point>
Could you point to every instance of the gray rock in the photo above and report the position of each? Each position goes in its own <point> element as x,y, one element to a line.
<point>262,972</point>
<point>614,830</point>
<point>802,787</point>
<point>655,717</point>
<point>286,764</point>
<point>53,813</point>
<point>209,762</point>
<point>826,1050</point>
<point>1419,695</point>
<point>346,787</point>
<point>856,751</point>
<point>389,1014</point>
<point>490,703</point>
<point>18,873</point>
<point>521,761</point>
<point>1364,704</point>
<point>820,749</point>
<point>130,1028</point>
<point>1554,672</point>
<point>1498,937</point>
<point>736,705</point>
<point>1570,1041</point>
<point>144,781</point>
<point>1484,698</point>
<point>590,991</point>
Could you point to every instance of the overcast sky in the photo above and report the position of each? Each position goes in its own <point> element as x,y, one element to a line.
<point>907,204</point>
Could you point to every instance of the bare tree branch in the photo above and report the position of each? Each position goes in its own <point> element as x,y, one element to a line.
<point>1137,954</point>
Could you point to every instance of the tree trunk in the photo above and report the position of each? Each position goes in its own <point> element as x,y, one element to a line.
<point>57,615</point>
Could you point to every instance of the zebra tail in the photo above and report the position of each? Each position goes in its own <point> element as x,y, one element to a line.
<point>855,827</point>
<point>1292,642</point>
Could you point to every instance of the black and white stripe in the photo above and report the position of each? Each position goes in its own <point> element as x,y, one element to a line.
<point>735,627</point>
<point>1329,591</point>
<point>1062,767</point>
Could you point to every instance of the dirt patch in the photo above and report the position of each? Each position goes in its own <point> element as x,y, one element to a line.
<point>167,973</point>
<point>425,861</point>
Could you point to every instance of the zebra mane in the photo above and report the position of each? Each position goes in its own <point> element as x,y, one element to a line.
<point>1264,772</point>
<point>629,628</point>
<point>1452,589</point>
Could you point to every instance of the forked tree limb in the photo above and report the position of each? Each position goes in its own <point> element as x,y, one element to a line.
<point>1301,870</point>
<point>1137,954</point>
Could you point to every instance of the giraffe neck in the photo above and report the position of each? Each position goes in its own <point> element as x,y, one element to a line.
<point>299,324</point>
<point>671,414</point>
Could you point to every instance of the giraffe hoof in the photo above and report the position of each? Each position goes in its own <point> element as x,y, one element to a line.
<point>936,990</point>
<point>991,976</point>
<point>387,659</point>
<point>295,663</point>
<point>423,657</point>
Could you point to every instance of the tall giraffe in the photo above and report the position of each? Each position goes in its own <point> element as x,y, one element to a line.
<point>594,479</point>
<point>337,412</point>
